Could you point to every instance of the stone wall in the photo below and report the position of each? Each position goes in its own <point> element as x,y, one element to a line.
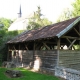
<point>67,73</point>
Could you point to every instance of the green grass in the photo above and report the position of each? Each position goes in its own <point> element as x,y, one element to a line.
<point>27,75</point>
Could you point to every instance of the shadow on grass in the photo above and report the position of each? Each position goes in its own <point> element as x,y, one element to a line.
<point>26,75</point>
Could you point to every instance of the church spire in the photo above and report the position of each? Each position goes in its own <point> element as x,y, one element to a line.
<point>20,12</point>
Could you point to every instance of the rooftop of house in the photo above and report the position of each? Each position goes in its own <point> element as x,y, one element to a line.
<point>49,31</point>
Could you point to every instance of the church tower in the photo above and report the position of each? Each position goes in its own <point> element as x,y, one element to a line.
<point>20,12</point>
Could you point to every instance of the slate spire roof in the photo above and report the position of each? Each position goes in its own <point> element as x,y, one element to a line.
<point>20,12</point>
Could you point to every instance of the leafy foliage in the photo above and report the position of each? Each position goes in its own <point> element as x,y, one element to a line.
<point>5,22</point>
<point>5,35</point>
<point>36,21</point>
<point>67,14</point>
<point>76,8</point>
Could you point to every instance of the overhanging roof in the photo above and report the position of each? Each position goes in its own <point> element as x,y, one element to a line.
<point>54,30</point>
<point>68,27</point>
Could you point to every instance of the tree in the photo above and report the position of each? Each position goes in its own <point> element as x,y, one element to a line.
<point>76,8</point>
<point>4,30</point>
<point>36,21</point>
<point>4,37</point>
<point>76,12</point>
<point>6,22</point>
<point>66,14</point>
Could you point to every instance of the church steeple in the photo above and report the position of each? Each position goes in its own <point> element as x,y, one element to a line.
<point>20,12</point>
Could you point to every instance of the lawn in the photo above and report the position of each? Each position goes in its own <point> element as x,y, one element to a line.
<point>27,75</point>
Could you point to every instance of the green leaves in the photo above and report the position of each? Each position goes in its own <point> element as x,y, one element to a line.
<point>67,13</point>
<point>36,21</point>
<point>76,8</point>
<point>5,22</point>
<point>5,36</point>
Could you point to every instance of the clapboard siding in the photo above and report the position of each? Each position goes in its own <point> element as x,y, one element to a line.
<point>69,59</point>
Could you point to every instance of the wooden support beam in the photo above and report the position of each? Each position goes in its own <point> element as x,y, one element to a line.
<point>33,52</point>
<point>50,42</point>
<point>77,38</point>
<point>79,27</point>
<point>77,32</point>
<point>26,47</point>
<point>14,47</point>
<point>72,44</point>
<point>19,46</point>
<point>42,47</point>
<point>8,54</point>
<point>46,46</point>
<point>58,48</point>
<point>39,47</point>
<point>58,44</point>
<point>34,46</point>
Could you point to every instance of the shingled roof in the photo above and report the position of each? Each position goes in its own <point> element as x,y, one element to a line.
<point>54,30</point>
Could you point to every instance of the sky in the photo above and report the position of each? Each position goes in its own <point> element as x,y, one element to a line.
<point>51,9</point>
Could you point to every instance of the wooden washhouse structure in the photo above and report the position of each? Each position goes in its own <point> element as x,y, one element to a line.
<point>49,47</point>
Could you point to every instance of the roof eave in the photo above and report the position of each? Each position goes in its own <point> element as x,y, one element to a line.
<point>68,28</point>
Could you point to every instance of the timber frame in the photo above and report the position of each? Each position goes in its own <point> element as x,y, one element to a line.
<point>47,46</point>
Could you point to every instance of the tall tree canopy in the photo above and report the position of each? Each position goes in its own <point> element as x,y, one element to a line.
<point>5,35</point>
<point>36,21</point>
<point>6,22</point>
<point>76,8</point>
<point>68,13</point>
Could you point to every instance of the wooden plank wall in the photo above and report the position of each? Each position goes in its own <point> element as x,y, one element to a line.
<point>47,59</point>
<point>70,59</point>
<point>27,57</point>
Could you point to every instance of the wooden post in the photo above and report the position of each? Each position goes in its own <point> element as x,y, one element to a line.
<point>8,54</point>
<point>19,46</point>
<point>33,52</point>
<point>58,44</point>
<point>79,36</point>
<point>18,55</point>
<point>34,48</point>
<point>58,48</point>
